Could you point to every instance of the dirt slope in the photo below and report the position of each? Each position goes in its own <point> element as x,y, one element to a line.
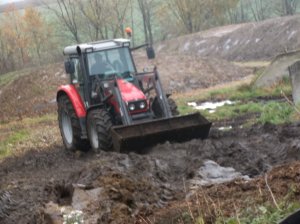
<point>183,73</point>
<point>243,42</point>
<point>32,94</point>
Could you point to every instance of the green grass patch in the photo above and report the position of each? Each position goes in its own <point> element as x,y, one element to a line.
<point>185,109</point>
<point>246,92</point>
<point>273,112</point>
<point>276,113</point>
<point>248,101</point>
<point>40,119</point>
<point>19,131</point>
<point>263,214</point>
<point>7,78</point>
<point>8,144</point>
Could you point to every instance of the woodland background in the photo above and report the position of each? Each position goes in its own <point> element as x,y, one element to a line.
<point>36,35</point>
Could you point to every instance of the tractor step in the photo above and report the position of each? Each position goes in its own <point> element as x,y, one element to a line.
<point>176,129</point>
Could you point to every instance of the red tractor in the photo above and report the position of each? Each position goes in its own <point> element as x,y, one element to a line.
<point>108,104</point>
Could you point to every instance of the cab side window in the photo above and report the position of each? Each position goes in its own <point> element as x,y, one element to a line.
<point>77,77</point>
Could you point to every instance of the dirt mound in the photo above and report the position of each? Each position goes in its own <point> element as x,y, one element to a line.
<point>231,198</point>
<point>123,188</point>
<point>244,42</point>
<point>182,73</point>
<point>32,94</point>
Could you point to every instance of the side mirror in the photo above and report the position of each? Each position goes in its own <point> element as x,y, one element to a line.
<point>150,52</point>
<point>69,67</point>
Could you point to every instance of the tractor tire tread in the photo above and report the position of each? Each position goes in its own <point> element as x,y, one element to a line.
<point>103,124</point>
<point>64,103</point>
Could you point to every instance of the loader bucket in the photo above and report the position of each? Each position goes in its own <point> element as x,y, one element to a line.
<point>176,129</point>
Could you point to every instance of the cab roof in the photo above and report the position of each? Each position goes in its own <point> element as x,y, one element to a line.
<point>96,46</point>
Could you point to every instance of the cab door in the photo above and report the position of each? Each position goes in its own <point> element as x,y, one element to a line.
<point>77,78</point>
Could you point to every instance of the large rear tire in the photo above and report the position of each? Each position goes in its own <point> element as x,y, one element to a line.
<point>98,128</point>
<point>69,126</point>
<point>158,111</point>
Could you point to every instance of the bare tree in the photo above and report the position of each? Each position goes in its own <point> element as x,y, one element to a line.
<point>146,8</point>
<point>188,13</point>
<point>287,7</point>
<point>258,9</point>
<point>119,9</point>
<point>199,14</point>
<point>97,15</point>
<point>67,13</point>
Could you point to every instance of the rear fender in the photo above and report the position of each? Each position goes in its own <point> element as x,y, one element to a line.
<point>74,97</point>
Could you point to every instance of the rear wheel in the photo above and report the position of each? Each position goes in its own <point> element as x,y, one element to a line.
<point>98,128</point>
<point>69,126</point>
<point>158,111</point>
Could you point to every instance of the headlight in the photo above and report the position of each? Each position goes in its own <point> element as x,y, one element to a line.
<point>106,85</point>
<point>131,107</point>
<point>142,105</point>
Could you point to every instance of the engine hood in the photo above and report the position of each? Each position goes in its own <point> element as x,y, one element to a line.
<point>129,91</point>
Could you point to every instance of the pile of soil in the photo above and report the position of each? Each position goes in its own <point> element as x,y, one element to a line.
<point>243,42</point>
<point>124,188</point>
<point>235,198</point>
<point>183,73</point>
<point>34,93</point>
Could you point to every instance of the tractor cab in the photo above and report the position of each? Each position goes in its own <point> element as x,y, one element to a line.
<point>94,69</point>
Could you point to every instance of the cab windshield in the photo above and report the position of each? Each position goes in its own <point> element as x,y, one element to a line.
<point>110,62</point>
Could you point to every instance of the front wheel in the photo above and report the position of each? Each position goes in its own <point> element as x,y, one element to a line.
<point>158,111</point>
<point>98,128</point>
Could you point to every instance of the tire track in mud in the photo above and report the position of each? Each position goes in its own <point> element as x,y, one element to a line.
<point>115,188</point>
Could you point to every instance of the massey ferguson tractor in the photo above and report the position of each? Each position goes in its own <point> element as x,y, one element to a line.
<point>110,105</point>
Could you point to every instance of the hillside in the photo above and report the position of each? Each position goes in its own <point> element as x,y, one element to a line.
<point>242,42</point>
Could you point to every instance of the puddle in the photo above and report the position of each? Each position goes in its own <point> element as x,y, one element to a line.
<point>212,173</point>
<point>210,106</point>
<point>225,128</point>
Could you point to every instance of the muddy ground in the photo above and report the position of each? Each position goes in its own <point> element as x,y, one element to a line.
<point>136,187</point>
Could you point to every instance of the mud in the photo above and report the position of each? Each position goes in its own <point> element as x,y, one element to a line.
<point>125,188</point>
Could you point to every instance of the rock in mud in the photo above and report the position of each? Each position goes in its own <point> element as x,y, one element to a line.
<point>52,214</point>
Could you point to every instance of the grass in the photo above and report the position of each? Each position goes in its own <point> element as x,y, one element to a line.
<point>260,210</point>
<point>263,214</point>
<point>17,132</point>
<point>7,78</point>
<point>253,64</point>
<point>247,103</point>
<point>270,112</point>
<point>6,146</point>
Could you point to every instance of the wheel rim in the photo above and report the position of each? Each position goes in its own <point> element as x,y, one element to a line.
<point>67,127</point>
<point>94,137</point>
